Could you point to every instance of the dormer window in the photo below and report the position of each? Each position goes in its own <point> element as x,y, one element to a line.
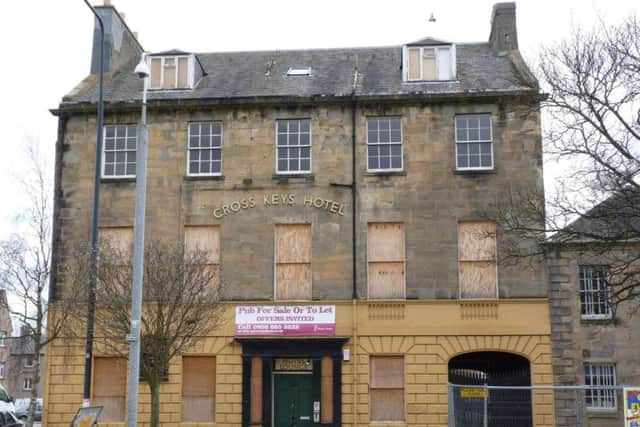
<point>172,72</point>
<point>429,62</point>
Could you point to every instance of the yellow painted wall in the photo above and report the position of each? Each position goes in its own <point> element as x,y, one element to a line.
<point>427,333</point>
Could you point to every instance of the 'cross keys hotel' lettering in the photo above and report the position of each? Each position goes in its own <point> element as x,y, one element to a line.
<point>278,199</point>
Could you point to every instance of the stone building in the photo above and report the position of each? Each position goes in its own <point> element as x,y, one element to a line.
<point>593,343</point>
<point>5,338</point>
<point>21,366</point>
<point>360,186</point>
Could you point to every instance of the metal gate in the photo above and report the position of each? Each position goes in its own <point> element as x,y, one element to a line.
<point>475,404</point>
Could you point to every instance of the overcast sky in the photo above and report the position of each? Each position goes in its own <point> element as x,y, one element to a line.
<point>46,45</point>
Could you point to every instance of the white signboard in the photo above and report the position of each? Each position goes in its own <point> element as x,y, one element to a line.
<point>286,320</point>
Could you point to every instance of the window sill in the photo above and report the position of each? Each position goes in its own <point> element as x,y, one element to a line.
<point>386,173</point>
<point>303,177</point>
<point>602,413</point>
<point>474,172</point>
<point>116,180</point>
<point>599,321</point>
<point>204,177</point>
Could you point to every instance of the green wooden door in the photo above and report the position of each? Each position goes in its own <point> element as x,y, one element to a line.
<point>293,402</point>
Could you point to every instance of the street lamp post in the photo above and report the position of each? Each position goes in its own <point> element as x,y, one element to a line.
<point>91,300</point>
<point>142,71</point>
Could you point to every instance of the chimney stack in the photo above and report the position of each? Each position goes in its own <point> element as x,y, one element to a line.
<point>504,35</point>
<point>120,43</point>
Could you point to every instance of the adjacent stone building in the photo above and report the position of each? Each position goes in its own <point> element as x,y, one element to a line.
<point>5,338</point>
<point>21,366</point>
<point>593,344</point>
<point>347,197</point>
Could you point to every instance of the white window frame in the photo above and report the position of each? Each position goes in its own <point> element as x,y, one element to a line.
<point>104,151</point>
<point>452,65</point>
<point>189,149</point>
<point>27,384</point>
<point>479,141</point>
<point>378,144</point>
<point>33,362</point>
<point>190,73</point>
<point>588,307</point>
<point>2,368</point>
<point>310,146</point>
<point>605,390</point>
<point>3,338</point>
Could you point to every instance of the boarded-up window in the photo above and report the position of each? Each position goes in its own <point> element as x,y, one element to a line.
<point>198,388</point>
<point>115,260</point>
<point>293,261</point>
<point>326,390</point>
<point>478,275</point>
<point>414,64</point>
<point>156,72</point>
<point>256,390</point>
<point>109,387</point>
<point>385,256</point>
<point>428,64</point>
<point>170,72</point>
<point>118,240</point>
<point>183,68</point>
<point>169,81</point>
<point>205,240</point>
<point>386,388</point>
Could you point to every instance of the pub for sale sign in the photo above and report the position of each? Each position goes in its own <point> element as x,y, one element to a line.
<point>631,406</point>
<point>285,320</point>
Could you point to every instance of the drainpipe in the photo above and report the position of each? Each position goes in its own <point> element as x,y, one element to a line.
<point>91,303</point>
<point>354,223</point>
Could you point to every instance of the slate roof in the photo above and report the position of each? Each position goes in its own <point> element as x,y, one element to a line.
<point>22,345</point>
<point>428,41</point>
<point>257,75</point>
<point>615,219</point>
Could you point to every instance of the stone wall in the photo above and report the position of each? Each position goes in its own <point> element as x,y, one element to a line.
<point>426,333</point>
<point>577,340</point>
<point>429,196</point>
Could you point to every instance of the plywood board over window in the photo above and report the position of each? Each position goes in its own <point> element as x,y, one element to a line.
<point>414,64</point>
<point>326,390</point>
<point>205,239</point>
<point>293,261</point>
<point>198,388</point>
<point>156,72</point>
<point>386,260</point>
<point>118,239</point>
<point>386,388</point>
<point>183,69</point>
<point>109,387</point>
<point>477,256</point>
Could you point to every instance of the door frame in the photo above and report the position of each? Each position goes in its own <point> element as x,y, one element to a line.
<point>273,390</point>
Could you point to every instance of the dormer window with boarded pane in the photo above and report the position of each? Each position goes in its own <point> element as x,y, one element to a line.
<point>172,72</point>
<point>429,60</point>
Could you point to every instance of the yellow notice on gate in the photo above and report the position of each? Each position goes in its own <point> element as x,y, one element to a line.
<point>477,393</point>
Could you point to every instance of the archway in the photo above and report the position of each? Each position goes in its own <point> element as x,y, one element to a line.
<point>505,407</point>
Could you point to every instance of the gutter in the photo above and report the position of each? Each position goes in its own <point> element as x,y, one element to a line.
<point>133,105</point>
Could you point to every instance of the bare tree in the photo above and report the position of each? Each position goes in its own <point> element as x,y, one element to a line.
<point>592,128</point>
<point>181,306</point>
<point>25,268</point>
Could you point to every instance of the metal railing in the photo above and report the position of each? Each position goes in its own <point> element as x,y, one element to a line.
<point>515,406</point>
